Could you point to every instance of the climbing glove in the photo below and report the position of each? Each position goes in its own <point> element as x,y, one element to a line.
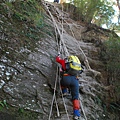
<point>58,53</point>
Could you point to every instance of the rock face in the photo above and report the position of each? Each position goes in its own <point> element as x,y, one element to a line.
<point>27,75</point>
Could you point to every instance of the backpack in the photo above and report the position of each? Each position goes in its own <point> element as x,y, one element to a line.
<point>73,66</point>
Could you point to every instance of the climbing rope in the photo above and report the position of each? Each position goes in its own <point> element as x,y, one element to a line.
<point>88,67</point>
<point>54,97</point>
<point>63,98</point>
<point>85,57</point>
<point>62,47</point>
<point>57,74</point>
<point>62,18</point>
<point>82,107</point>
<point>61,51</point>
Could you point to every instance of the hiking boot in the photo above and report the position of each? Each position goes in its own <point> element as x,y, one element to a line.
<point>76,115</point>
<point>64,90</point>
<point>66,94</point>
<point>76,118</point>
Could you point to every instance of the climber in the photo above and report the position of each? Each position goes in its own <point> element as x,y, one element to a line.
<point>71,81</point>
<point>62,1</point>
<point>57,1</point>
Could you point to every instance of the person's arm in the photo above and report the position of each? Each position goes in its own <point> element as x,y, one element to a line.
<point>61,61</point>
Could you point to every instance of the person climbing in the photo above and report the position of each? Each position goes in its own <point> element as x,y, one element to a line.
<point>70,80</point>
<point>62,1</point>
<point>57,1</point>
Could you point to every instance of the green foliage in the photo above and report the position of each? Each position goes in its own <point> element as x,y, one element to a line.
<point>18,113</point>
<point>3,104</point>
<point>29,10</point>
<point>104,14</point>
<point>98,100</point>
<point>21,110</point>
<point>111,55</point>
<point>114,107</point>
<point>115,27</point>
<point>26,114</point>
<point>99,11</point>
<point>24,24</point>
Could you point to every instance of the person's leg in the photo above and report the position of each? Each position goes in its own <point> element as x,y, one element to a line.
<point>76,108</point>
<point>65,82</point>
<point>64,89</point>
<point>74,85</point>
<point>75,96</point>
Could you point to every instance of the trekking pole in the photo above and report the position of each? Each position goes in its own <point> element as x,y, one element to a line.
<point>82,108</point>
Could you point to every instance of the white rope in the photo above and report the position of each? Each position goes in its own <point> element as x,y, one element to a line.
<point>88,67</point>
<point>67,54</point>
<point>62,18</point>
<point>53,95</point>
<point>85,57</point>
<point>59,70</point>
<point>63,99</point>
<point>58,113</point>
<point>61,34</point>
<point>82,107</point>
<point>54,98</point>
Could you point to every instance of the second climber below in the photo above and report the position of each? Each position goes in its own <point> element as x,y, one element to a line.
<point>70,80</point>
